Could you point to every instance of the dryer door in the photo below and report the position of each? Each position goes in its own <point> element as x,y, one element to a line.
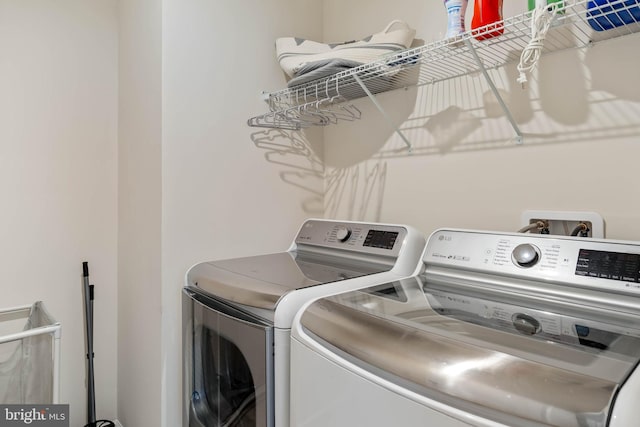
<point>228,366</point>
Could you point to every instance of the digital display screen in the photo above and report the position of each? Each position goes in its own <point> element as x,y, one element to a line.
<point>381,239</point>
<point>609,265</point>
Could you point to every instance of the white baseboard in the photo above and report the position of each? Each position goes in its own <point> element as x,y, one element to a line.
<point>117,423</point>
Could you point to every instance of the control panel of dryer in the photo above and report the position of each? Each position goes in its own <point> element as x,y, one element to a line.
<point>599,264</point>
<point>374,239</point>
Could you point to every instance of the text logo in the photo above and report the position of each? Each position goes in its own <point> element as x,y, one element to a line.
<point>34,415</point>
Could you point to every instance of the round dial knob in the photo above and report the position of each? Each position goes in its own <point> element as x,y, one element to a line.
<point>343,234</point>
<point>525,255</point>
<point>526,324</point>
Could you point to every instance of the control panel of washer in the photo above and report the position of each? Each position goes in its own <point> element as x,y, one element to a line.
<point>601,264</point>
<point>353,236</point>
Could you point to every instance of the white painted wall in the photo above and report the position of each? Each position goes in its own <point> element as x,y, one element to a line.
<point>227,190</point>
<point>579,115</point>
<point>139,213</point>
<point>58,160</point>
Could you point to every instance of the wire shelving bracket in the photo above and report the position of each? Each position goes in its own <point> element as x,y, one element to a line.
<point>373,99</point>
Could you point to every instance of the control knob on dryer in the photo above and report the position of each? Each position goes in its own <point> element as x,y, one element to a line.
<point>343,233</point>
<point>525,255</point>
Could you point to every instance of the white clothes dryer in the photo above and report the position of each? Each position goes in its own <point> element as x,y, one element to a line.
<point>237,314</point>
<point>498,330</point>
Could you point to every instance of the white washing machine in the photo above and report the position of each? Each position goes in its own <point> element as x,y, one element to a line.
<point>497,330</point>
<point>237,314</point>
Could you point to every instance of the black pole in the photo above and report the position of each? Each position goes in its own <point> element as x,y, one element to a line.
<point>88,311</point>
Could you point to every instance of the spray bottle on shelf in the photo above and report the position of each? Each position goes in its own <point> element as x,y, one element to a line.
<point>487,12</point>
<point>455,17</point>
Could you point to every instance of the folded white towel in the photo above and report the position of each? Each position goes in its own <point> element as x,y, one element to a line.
<point>294,53</point>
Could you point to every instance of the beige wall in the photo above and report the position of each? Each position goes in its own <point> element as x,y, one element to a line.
<point>195,182</point>
<point>228,190</point>
<point>58,180</point>
<point>139,213</point>
<point>579,114</point>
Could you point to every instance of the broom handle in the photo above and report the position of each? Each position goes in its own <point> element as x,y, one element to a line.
<point>88,304</point>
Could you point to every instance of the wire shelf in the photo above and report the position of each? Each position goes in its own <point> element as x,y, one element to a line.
<point>325,101</point>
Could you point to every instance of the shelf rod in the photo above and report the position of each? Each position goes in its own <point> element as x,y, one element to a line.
<point>494,89</point>
<point>382,111</point>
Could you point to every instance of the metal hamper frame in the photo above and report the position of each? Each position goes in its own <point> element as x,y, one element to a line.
<point>53,328</point>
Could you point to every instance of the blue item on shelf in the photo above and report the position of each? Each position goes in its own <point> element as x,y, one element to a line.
<point>607,14</point>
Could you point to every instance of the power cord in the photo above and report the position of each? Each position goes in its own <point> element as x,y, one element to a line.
<point>541,18</point>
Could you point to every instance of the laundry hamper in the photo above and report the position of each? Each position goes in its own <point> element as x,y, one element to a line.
<point>29,355</point>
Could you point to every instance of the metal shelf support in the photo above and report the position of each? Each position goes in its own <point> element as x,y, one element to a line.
<point>382,111</point>
<point>494,89</point>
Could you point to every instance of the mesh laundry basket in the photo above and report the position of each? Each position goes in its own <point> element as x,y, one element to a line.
<point>29,355</point>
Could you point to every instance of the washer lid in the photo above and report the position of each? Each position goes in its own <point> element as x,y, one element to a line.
<point>260,281</point>
<point>503,360</point>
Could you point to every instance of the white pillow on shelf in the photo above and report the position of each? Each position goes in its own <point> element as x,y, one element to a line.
<point>294,54</point>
